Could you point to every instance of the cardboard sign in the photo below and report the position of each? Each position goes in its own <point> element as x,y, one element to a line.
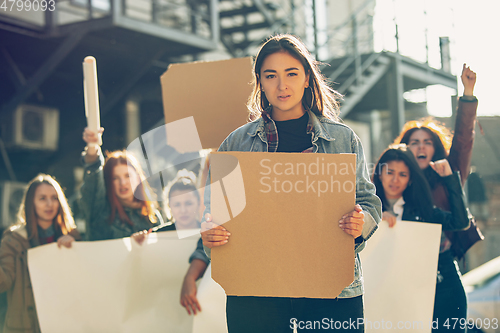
<point>399,270</point>
<point>215,93</point>
<point>282,210</point>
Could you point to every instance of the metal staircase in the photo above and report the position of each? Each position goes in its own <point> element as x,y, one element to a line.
<point>354,69</point>
<point>244,24</point>
<point>372,80</point>
<point>355,82</point>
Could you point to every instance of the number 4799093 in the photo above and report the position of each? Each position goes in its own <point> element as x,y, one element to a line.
<point>27,5</point>
<point>451,323</point>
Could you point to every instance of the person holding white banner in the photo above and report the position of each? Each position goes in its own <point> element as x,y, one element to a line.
<point>294,110</point>
<point>111,191</point>
<point>406,195</point>
<point>44,217</point>
<point>431,141</point>
<point>182,199</point>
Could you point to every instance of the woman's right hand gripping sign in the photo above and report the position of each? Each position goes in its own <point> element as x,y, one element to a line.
<point>212,234</point>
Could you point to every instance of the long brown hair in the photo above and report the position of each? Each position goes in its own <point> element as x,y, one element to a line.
<point>318,97</point>
<point>64,221</point>
<point>148,206</point>
<point>417,191</point>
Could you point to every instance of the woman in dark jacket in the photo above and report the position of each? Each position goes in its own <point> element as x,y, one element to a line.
<point>115,197</point>
<point>406,195</point>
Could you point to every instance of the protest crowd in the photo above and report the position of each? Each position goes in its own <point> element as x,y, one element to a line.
<point>292,109</point>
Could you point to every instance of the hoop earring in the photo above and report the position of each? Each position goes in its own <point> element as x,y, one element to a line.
<point>312,97</point>
<point>262,101</point>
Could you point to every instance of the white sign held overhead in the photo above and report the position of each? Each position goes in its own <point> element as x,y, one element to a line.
<point>91,95</point>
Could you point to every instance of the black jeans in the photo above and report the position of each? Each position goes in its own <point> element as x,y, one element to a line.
<point>450,302</point>
<point>278,314</point>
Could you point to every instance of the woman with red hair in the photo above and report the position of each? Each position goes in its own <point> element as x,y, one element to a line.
<point>116,198</point>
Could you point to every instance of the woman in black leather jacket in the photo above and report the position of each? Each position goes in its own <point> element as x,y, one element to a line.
<point>406,195</point>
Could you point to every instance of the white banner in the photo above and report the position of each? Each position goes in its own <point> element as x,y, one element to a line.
<point>212,298</point>
<point>399,270</point>
<point>119,286</point>
<point>112,286</point>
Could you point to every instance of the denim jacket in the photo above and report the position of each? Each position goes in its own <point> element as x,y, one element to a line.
<point>327,137</point>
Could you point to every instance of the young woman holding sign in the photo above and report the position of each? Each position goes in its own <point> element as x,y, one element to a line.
<point>292,101</point>
<point>109,199</point>
<point>44,217</point>
<point>406,195</point>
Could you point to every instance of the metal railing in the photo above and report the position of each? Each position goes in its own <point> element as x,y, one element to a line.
<point>351,37</point>
<point>185,15</point>
<point>191,16</point>
<point>350,40</point>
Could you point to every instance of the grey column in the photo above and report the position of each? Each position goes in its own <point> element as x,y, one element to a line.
<point>133,121</point>
<point>395,100</point>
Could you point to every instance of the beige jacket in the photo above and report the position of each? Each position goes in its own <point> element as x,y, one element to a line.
<point>15,280</point>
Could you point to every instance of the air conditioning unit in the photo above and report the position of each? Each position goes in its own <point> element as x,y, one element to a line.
<point>11,196</point>
<point>32,127</point>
